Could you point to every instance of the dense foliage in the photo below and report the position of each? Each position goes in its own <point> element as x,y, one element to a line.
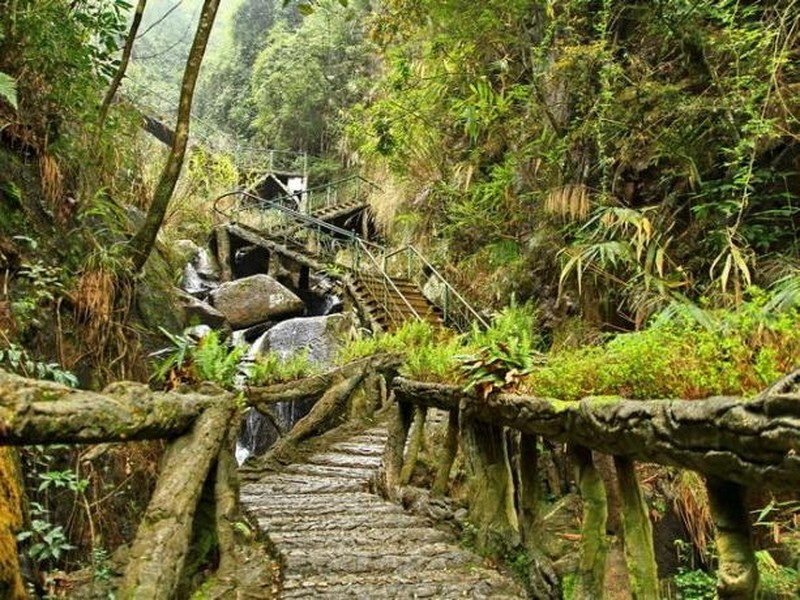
<point>648,148</point>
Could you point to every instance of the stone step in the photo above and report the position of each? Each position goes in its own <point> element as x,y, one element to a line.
<point>304,484</point>
<point>310,539</point>
<point>257,494</point>
<point>341,523</point>
<point>362,449</point>
<point>327,471</point>
<point>458,583</point>
<point>340,459</point>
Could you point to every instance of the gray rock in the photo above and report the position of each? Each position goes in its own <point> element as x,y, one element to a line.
<point>185,251</point>
<point>199,312</point>
<point>254,299</point>
<point>320,336</point>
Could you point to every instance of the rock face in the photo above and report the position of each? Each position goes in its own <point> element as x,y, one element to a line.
<point>254,299</point>
<point>320,336</point>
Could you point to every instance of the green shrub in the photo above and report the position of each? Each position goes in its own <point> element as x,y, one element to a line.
<point>270,368</point>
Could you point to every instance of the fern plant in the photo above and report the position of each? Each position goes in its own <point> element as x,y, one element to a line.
<point>8,89</point>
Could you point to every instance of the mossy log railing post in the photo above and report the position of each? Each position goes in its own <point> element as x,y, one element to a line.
<point>737,573</point>
<point>638,530</point>
<point>448,455</point>
<point>528,489</point>
<point>594,546</point>
<point>399,425</point>
<point>414,445</point>
<point>223,239</point>
<point>11,521</point>
<point>162,540</point>
<point>491,505</point>
<point>226,501</point>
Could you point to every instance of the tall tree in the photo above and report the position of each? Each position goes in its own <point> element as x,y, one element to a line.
<point>141,244</point>
<point>123,63</point>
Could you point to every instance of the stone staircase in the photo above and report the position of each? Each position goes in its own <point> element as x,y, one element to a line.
<point>387,308</point>
<point>336,539</point>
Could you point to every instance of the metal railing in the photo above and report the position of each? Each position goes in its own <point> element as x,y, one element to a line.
<point>410,263</point>
<point>335,245</point>
<point>342,191</point>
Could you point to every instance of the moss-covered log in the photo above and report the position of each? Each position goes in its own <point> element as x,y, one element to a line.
<point>400,420</point>
<point>491,489</point>
<point>594,546</point>
<point>162,540</point>
<point>737,575</point>
<point>313,387</point>
<point>639,549</point>
<point>752,442</point>
<point>41,412</point>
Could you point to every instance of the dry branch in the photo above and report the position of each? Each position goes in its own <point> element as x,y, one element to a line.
<point>751,442</point>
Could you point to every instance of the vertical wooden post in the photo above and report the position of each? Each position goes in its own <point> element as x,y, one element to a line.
<point>226,500</point>
<point>639,550</point>
<point>594,546</point>
<point>491,506</point>
<point>399,424</point>
<point>528,489</point>
<point>417,439</point>
<point>224,253</point>
<point>737,572</point>
<point>448,455</point>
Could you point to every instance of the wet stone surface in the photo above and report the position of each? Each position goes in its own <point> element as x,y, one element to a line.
<point>338,540</point>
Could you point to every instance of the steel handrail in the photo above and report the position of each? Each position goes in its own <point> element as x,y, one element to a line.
<point>387,279</point>
<point>298,195</point>
<point>440,277</point>
<point>359,244</point>
<point>302,217</point>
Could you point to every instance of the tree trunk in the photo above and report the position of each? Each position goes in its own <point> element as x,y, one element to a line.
<point>162,540</point>
<point>639,550</point>
<point>11,586</point>
<point>594,546</point>
<point>447,457</point>
<point>142,242</point>
<point>123,63</point>
<point>491,498</point>
<point>737,573</point>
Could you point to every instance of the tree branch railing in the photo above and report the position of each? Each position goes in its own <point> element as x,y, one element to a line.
<point>199,424</point>
<point>735,443</point>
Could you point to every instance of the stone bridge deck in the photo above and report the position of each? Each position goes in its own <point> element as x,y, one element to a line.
<point>336,539</point>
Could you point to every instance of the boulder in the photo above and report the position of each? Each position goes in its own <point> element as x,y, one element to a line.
<point>321,337</point>
<point>202,313</point>
<point>254,299</point>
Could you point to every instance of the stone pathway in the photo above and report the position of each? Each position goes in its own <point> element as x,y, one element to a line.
<point>338,540</point>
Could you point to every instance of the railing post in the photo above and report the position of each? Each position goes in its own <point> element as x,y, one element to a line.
<point>738,572</point>
<point>448,455</point>
<point>639,550</point>
<point>594,546</point>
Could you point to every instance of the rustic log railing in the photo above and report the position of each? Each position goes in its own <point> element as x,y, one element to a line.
<point>735,443</point>
<point>200,425</point>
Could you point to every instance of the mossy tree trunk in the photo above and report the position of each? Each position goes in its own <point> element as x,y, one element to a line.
<point>594,546</point>
<point>399,425</point>
<point>639,549</point>
<point>141,244</point>
<point>415,444</point>
<point>737,572</point>
<point>11,586</point>
<point>448,455</point>
<point>123,63</point>
<point>162,541</point>
<point>491,499</point>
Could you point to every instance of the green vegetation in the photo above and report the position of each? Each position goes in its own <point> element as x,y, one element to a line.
<point>270,368</point>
